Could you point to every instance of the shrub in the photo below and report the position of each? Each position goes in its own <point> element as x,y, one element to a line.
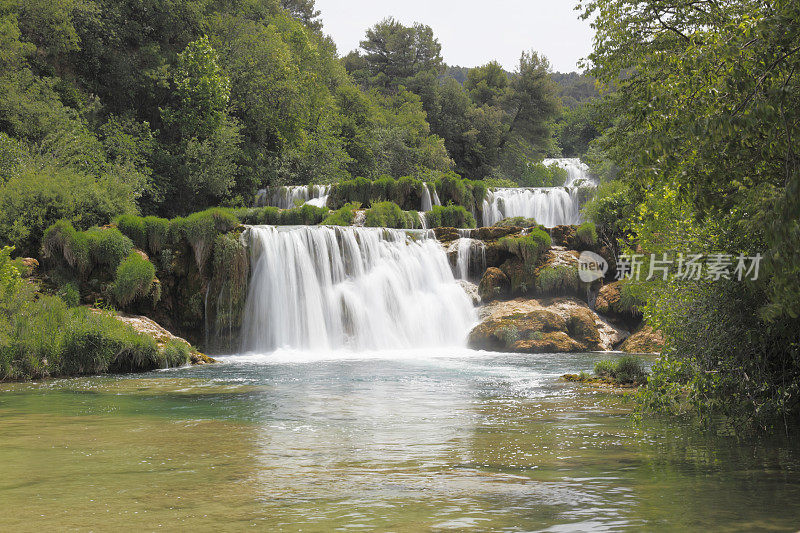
<point>450,216</point>
<point>528,247</point>
<point>558,280</point>
<point>587,234</point>
<point>157,234</point>
<point>499,182</point>
<point>200,230</point>
<point>343,216</point>
<point>627,369</point>
<point>134,227</point>
<point>388,215</point>
<point>67,247</point>
<point>347,191</point>
<point>133,280</point>
<point>107,247</point>
<point>175,353</point>
<point>71,294</point>
<point>518,222</point>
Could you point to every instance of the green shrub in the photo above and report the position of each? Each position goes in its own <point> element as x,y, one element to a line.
<point>107,246</point>
<point>175,353</point>
<point>558,280</point>
<point>586,234</point>
<point>388,215</point>
<point>134,228</point>
<point>71,294</point>
<point>499,182</point>
<point>347,191</point>
<point>449,216</point>
<point>66,247</point>
<point>133,280</point>
<point>528,247</point>
<point>627,370</point>
<point>343,216</point>
<point>200,230</point>
<point>157,234</point>
<point>305,215</point>
<point>518,222</point>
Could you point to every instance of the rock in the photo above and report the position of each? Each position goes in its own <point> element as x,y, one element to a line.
<point>608,299</point>
<point>493,233</point>
<point>30,265</point>
<point>554,342</point>
<point>150,327</point>
<point>494,284</point>
<point>520,277</point>
<point>646,340</point>
<point>544,325</point>
<point>582,326</point>
<point>564,236</point>
<point>471,291</point>
<point>445,235</point>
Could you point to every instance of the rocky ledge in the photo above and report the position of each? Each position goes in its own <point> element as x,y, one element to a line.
<point>544,325</point>
<point>150,327</point>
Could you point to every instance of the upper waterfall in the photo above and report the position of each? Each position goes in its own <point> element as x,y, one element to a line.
<point>325,288</point>
<point>549,206</point>
<point>289,196</point>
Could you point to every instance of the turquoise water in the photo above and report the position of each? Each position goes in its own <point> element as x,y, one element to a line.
<point>410,441</point>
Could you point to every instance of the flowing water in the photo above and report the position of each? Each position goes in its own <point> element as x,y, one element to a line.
<point>402,441</point>
<point>549,206</point>
<point>290,196</point>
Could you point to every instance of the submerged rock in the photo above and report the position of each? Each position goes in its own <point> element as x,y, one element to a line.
<point>553,325</point>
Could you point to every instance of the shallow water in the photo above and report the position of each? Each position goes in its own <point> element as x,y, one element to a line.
<point>403,441</point>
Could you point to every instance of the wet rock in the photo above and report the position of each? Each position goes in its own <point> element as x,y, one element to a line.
<point>564,236</point>
<point>494,285</point>
<point>608,299</point>
<point>445,235</point>
<point>543,325</point>
<point>471,290</point>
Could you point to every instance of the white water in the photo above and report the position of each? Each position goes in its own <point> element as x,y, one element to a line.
<point>325,288</point>
<point>470,256</point>
<point>549,206</point>
<point>288,197</point>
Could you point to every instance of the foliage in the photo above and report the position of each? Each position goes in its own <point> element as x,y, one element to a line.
<point>558,280</point>
<point>626,370</point>
<point>587,234</point>
<point>389,215</point>
<point>528,247</point>
<point>518,222</point>
<point>176,353</point>
<point>134,279</point>
<point>449,216</point>
<point>343,216</point>
<point>200,230</point>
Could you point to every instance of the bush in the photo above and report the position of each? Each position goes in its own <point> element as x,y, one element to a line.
<point>586,234</point>
<point>66,247</point>
<point>175,353</point>
<point>518,222</point>
<point>157,234</point>
<point>558,280</point>
<point>133,280</point>
<point>71,294</point>
<point>627,370</point>
<point>450,216</point>
<point>389,215</point>
<point>342,217</point>
<point>200,230</point>
<point>134,227</point>
<point>107,247</point>
<point>528,247</point>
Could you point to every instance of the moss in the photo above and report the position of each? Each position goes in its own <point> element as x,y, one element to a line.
<point>133,280</point>
<point>175,353</point>
<point>229,282</point>
<point>450,216</point>
<point>518,222</point>
<point>528,247</point>
<point>134,228</point>
<point>389,215</point>
<point>558,280</point>
<point>343,216</point>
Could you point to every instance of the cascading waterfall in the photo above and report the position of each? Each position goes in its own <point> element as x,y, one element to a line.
<point>327,288</point>
<point>427,203</point>
<point>549,206</point>
<point>288,197</point>
<point>470,256</point>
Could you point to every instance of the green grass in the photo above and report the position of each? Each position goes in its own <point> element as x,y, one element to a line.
<point>626,370</point>
<point>343,216</point>
<point>528,247</point>
<point>449,216</point>
<point>586,234</point>
<point>133,280</point>
<point>389,215</point>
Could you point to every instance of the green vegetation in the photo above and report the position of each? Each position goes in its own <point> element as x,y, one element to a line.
<point>528,247</point>
<point>449,216</point>
<point>43,336</point>
<point>627,370</point>
<point>343,216</point>
<point>558,280</point>
<point>709,105</point>
<point>586,234</point>
<point>389,215</point>
<point>134,280</point>
<point>518,222</point>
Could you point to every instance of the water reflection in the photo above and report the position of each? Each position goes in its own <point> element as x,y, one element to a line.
<point>406,442</point>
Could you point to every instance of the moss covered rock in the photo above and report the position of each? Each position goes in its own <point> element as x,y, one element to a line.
<point>445,235</point>
<point>608,299</point>
<point>494,285</point>
<point>582,326</point>
<point>553,342</point>
<point>646,340</point>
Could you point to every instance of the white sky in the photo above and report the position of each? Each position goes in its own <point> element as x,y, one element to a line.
<point>472,32</point>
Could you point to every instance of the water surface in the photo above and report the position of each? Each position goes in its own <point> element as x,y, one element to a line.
<point>404,441</point>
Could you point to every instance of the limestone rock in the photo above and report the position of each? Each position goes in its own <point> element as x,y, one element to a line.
<point>553,342</point>
<point>646,340</point>
<point>494,284</point>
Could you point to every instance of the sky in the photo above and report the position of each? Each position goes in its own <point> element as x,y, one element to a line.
<point>472,33</point>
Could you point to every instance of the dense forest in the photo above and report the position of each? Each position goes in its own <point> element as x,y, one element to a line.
<point>688,114</point>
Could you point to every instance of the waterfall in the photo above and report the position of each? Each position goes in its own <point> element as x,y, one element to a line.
<point>427,204</point>
<point>288,197</point>
<point>325,288</point>
<point>470,256</point>
<point>549,206</point>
